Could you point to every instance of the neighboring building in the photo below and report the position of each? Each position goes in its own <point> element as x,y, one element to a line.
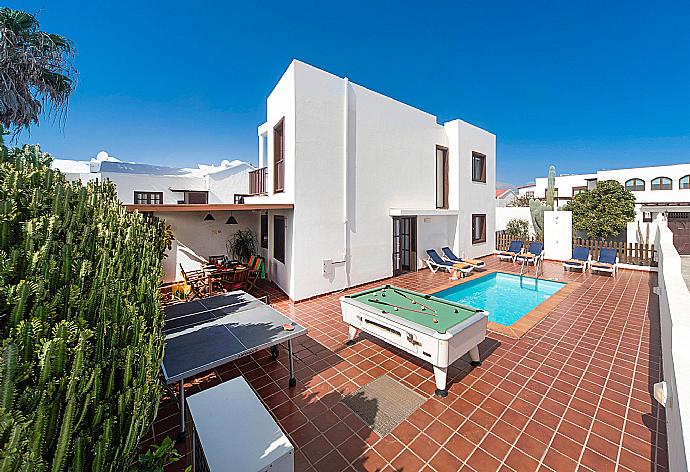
<point>505,196</point>
<point>352,187</point>
<point>373,183</point>
<point>657,189</point>
<point>526,190</point>
<point>149,184</point>
<point>184,198</point>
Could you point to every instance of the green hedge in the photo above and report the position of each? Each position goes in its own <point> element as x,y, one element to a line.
<point>80,320</point>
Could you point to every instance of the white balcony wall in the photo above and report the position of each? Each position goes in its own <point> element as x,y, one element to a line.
<point>674,300</point>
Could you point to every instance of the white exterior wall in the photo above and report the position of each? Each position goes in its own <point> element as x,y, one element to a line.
<point>390,164</point>
<point>127,184</point>
<point>223,185</point>
<point>280,104</point>
<point>391,150</point>
<point>504,215</point>
<point>471,197</point>
<point>196,239</point>
<point>564,184</point>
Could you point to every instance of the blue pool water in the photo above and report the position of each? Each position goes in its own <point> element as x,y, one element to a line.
<point>506,297</point>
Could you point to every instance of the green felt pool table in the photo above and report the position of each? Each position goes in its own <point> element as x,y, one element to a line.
<point>435,330</point>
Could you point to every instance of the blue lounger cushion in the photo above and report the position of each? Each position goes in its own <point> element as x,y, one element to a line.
<point>581,253</point>
<point>437,259</point>
<point>535,248</point>
<point>450,254</point>
<point>607,255</point>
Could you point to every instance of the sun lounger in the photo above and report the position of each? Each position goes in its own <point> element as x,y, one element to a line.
<point>448,255</point>
<point>580,260</point>
<point>607,262</point>
<point>435,262</point>
<point>535,253</point>
<point>512,252</point>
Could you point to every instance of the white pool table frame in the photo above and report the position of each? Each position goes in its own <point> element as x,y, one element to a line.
<point>441,350</point>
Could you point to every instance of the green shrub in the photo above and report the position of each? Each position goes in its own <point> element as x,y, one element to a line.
<point>518,228</point>
<point>80,320</point>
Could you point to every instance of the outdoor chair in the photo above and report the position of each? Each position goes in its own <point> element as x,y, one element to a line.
<point>607,261</point>
<point>512,252</point>
<point>535,253</point>
<point>256,271</point>
<point>448,255</point>
<point>239,279</point>
<point>435,262</point>
<point>580,261</point>
<point>197,281</point>
<point>216,259</point>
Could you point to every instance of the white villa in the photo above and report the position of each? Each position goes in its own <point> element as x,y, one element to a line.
<point>352,187</point>
<point>657,189</point>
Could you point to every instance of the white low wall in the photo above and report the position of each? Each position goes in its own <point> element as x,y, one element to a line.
<point>505,214</point>
<point>633,237</point>
<point>674,300</point>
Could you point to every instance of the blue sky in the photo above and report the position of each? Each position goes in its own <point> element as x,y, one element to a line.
<point>581,85</point>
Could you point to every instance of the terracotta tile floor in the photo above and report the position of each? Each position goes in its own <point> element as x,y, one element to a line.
<point>572,393</point>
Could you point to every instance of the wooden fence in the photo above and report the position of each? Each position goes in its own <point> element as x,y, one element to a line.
<point>628,253</point>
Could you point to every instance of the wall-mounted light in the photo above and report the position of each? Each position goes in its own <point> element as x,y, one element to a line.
<point>231,220</point>
<point>209,217</point>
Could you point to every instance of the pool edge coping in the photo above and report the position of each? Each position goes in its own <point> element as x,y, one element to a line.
<point>529,320</point>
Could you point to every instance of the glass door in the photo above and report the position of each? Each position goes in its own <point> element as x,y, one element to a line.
<point>404,244</point>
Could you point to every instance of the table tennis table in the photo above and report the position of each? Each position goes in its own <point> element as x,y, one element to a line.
<point>207,333</point>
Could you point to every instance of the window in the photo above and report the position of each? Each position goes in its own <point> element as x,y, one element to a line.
<point>148,198</point>
<point>684,183</point>
<point>279,238</point>
<point>529,193</point>
<point>478,229</point>
<point>577,190</point>
<point>478,167</point>
<point>196,198</point>
<point>646,216</point>
<point>264,230</point>
<point>441,177</point>
<point>634,185</point>
<point>662,183</point>
<point>278,157</point>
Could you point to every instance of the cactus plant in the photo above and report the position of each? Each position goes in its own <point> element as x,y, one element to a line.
<point>80,320</point>
<point>537,208</point>
<point>551,187</point>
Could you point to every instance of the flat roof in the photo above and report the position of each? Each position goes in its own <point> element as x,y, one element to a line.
<point>172,207</point>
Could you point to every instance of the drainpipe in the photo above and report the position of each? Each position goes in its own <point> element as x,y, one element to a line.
<point>346,180</point>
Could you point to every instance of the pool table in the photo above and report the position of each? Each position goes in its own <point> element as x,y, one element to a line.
<point>434,330</point>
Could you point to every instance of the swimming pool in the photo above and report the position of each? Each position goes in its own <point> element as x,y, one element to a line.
<point>507,297</point>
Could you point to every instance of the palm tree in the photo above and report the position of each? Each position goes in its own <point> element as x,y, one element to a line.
<point>36,71</point>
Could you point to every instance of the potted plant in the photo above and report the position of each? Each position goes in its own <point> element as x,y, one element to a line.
<point>242,245</point>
